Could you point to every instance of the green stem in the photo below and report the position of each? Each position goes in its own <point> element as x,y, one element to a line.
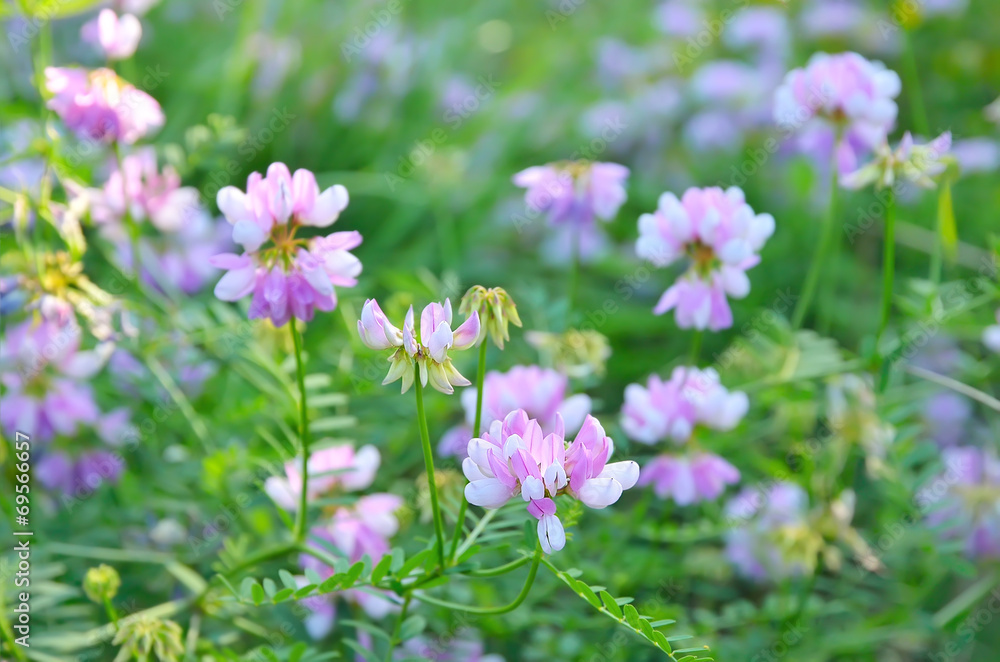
<point>822,250</point>
<point>425,443</point>
<point>696,347</point>
<point>914,94</point>
<point>500,569</point>
<point>112,614</point>
<point>888,265</point>
<point>133,227</point>
<point>469,609</point>
<point>463,508</point>
<point>300,373</point>
<point>394,639</point>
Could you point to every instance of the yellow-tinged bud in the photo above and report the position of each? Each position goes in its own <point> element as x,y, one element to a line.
<point>496,309</point>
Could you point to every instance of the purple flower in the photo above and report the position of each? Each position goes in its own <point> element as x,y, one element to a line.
<point>329,468</point>
<point>756,516</point>
<point>287,275</point>
<point>516,459</point>
<point>57,472</point>
<point>721,236</point>
<point>99,105</point>
<point>845,91</point>
<point>976,155</point>
<point>687,480</point>
<point>963,501</point>
<point>672,409</point>
<point>422,349</point>
<point>540,392</point>
<point>45,379</point>
<point>116,36</point>
<point>574,192</point>
<point>946,414</point>
<point>463,646</point>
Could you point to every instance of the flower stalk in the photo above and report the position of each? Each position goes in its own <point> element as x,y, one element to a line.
<point>425,443</point>
<point>300,517</point>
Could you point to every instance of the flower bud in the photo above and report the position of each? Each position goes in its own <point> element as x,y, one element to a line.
<point>101,583</point>
<point>496,311</point>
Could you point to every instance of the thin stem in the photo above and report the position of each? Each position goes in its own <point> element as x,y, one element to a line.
<point>300,373</point>
<point>112,614</point>
<point>574,269</point>
<point>914,94</point>
<point>500,569</point>
<point>955,385</point>
<point>487,518</point>
<point>696,347</point>
<point>469,609</point>
<point>133,227</point>
<point>822,250</point>
<point>463,508</point>
<point>425,443</point>
<point>888,265</point>
<point>394,639</point>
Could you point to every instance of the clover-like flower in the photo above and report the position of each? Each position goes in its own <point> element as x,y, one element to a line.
<point>496,309</point>
<point>909,162</point>
<point>721,236</point>
<point>422,349</point>
<point>99,105</point>
<point>117,36</point>
<point>288,275</point>
<point>516,459</point>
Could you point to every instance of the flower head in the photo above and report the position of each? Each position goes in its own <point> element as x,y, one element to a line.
<point>672,409</point>
<point>574,353</point>
<point>516,459</point>
<point>963,501</point>
<point>101,583</point>
<point>496,312</point>
<point>100,105</point>
<point>909,162</point>
<point>117,36</point>
<point>287,275</point>
<point>575,192</point>
<point>757,517</point>
<point>329,468</point>
<point>720,235</point>
<point>842,94</point>
<point>422,348</point>
<point>687,480</point>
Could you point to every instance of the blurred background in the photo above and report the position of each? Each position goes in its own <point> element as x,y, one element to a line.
<point>424,111</point>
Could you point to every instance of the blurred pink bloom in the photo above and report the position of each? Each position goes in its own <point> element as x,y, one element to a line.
<point>541,392</point>
<point>979,154</point>
<point>672,409</point>
<point>117,36</point>
<point>99,105</point>
<point>329,468</point>
<point>78,478</point>
<point>515,459</point>
<point>153,196</point>
<point>721,236</point>
<point>361,529</point>
<point>45,378</point>
<point>424,348</point>
<point>574,192</point>
<point>843,90</point>
<point>462,646</point>
<point>687,480</point>
<point>290,276</point>
<point>991,335</point>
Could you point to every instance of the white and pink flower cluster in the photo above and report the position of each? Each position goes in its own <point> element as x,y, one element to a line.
<point>841,95</point>
<point>422,349</point>
<point>673,410</point>
<point>288,275</point>
<point>101,106</point>
<point>721,236</point>
<point>515,458</point>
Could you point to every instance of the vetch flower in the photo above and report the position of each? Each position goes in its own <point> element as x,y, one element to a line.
<point>515,459</point>
<point>757,516</point>
<point>842,94</point>
<point>672,409</point>
<point>963,501</point>
<point>687,480</point>
<point>117,36</point>
<point>422,349</point>
<point>541,392</point>
<point>721,236</point>
<point>909,162</point>
<point>496,309</point>
<point>287,275</point>
<point>329,468</point>
<point>99,105</point>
